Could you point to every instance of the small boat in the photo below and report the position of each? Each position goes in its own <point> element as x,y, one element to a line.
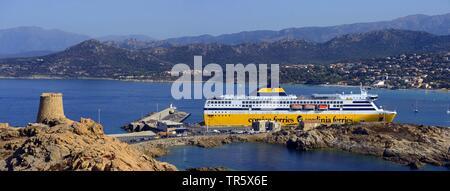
<point>416,109</point>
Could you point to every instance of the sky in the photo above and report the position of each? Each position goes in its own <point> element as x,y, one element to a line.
<point>173,18</point>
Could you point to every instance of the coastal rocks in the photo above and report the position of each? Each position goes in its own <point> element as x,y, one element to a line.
<point>160,147</point>
<point>416,165</point>
<point>220,168</point>
<point>282,137</point>
<point>206,142</point>
<point>88,127</point>
<point>70,146</point>
<point>403,143</point>
<point>360,131</point>
<point>214,141</point>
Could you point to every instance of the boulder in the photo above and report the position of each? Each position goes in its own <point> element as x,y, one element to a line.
<point>70,146</point>
<point>416,165</point>
<point>220,168</point>
<point>360,131</point>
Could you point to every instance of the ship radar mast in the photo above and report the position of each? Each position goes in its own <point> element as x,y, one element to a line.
<point>363,90</point>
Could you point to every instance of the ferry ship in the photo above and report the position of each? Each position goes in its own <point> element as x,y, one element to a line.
<point>275,105</point>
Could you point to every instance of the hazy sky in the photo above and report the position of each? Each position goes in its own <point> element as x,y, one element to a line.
<point>172,18</point>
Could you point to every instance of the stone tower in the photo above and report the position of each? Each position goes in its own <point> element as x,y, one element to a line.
<point>50,108</point>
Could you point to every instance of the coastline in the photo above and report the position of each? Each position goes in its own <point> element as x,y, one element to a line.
<point>93,78</point>
<point>405,144</point>
<point>171,81</point>
<point>160,147</point>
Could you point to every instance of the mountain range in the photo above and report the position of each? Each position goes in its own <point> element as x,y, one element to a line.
<point>35,41</point>
<point>93,58</point>
<point>437,24</point>
<point>31,41</point>
<point>347,47</point>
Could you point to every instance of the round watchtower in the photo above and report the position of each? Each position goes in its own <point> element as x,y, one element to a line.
<point>50,107</point>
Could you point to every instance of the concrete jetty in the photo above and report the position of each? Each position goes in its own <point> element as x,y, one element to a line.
<point>150,121</point>
<point>135,136</point>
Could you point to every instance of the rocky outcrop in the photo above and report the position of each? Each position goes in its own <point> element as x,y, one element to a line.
<point>214,141</point>
<point>412,145</point>
<point>220,168</point>
<point>70,146</point>
<point>160,147</point>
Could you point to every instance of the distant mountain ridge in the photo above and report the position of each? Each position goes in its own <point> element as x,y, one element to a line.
<point>346,47</point>
<point>27,54</point>
<point>35,39</point>
<point>437,24</point>
<point>93,58</point>
<point>119,38</point>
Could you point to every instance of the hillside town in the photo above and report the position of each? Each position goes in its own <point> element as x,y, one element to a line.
<point>425,71</point>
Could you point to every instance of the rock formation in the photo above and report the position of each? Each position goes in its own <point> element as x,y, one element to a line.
<point>220,168</point>
<point>70,146</point>
<point>58,143</point>
<point>160,147</point>
<point>413,145</point>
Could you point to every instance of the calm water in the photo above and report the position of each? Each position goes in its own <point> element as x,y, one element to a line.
<point>121,102</point>
<point>258,157</point>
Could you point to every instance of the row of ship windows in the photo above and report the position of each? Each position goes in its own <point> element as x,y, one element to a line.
<point>278,105</point>
<point>224,105</point>
<point>216,105</point>
<point>291,102</point>
<point>278,102</point>
<point>216,113</point>
<point>219,102</point>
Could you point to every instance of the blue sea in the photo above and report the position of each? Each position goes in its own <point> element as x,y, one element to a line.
<point>115,103</point>
<point>120,102</point>
<point>269,157</point>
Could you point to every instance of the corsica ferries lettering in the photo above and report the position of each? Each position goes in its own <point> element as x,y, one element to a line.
<point>277,119</point>
<point>286,120</point>
<point>334,119</point>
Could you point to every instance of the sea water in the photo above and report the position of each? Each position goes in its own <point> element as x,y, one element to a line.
<point>269,157</point>
<point>116,103</point>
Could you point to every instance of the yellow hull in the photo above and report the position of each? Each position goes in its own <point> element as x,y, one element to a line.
<point>293,119</point>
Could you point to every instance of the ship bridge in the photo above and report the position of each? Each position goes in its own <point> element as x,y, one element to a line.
<point>363,95</point>
<point>263,94</point>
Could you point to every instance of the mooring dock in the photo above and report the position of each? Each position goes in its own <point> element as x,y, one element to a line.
<point>135,136</point>
<point>150,121</point>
